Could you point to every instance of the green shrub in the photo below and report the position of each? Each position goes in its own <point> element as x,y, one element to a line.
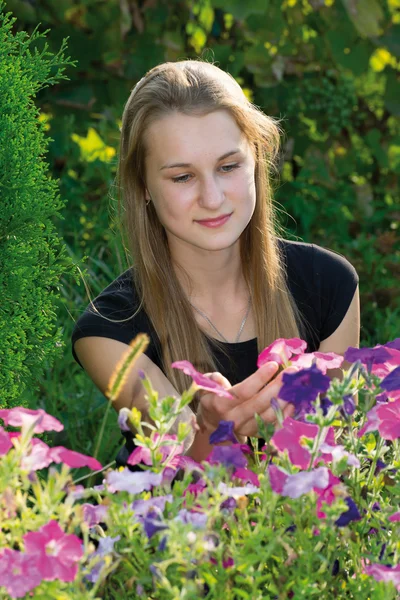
<point>32,254</point>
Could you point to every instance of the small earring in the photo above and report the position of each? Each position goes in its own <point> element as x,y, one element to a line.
<point>148,201</point>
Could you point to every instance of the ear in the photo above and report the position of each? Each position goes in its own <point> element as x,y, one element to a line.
<point>146,194</point>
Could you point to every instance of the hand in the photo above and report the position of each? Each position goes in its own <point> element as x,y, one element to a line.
<point>253,395</point>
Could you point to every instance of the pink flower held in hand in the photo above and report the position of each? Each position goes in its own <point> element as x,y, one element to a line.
<point>281,351</point>
<point>323,360</point>
<point>19,572</point>
<point>56,552</point>
<point>25,417</point>
<point>203,382</point>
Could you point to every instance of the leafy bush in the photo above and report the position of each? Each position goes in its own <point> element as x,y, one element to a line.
<point>313,514</point>
<point>32,255</point>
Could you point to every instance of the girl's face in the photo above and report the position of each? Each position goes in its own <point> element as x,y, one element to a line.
<point>200,168</point>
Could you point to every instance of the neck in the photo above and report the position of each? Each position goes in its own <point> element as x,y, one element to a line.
<point>211,277</point>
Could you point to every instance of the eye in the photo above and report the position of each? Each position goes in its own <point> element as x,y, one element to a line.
<point>224,168</point>
<point>230,167</point>
<point>180,179</point>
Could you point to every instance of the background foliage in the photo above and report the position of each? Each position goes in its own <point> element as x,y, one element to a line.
<point>329,69</point>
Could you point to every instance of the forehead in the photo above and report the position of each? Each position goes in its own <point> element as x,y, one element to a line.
<point>178,136</point>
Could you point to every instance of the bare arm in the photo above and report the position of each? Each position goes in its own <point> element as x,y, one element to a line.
<point>100,355</point>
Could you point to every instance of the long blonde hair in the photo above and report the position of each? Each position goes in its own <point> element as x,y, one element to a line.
<point>196,86</point>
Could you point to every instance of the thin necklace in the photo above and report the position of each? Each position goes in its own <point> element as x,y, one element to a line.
<point>217,330</point>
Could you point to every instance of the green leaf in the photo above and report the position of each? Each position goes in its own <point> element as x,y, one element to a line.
<point>365,15</point>
<point>240,9</point>
<point>392,96</point>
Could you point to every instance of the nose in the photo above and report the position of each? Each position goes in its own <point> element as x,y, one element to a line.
<point>211,193</point>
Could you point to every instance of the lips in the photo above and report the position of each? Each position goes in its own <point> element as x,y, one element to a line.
<point>214,221</point>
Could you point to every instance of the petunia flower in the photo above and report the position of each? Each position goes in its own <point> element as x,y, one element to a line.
<point>5,442</point>
<point>202,382</point>
<point>197,519</point>
<point>25,417</point>
<point>384,573</point>
<point>329,494</point>
<point>277,478</point>
<point>94,514</point>
<point>41,456</point>
<point>352,514</point>
<point>236,492</point>
<point>227,455</point>
<point>371,423</point>
<point>152,522</point>
<point>338,452</point>
<point>142,507</point>
<point>223,433</point>
<point>302,388</point>
<point>73,459</point>
<point>19,572</point>
<point>391,383</point>
<point>246,475</point>
<point>281,351</point>
<point>389,420</point>
<point>301,483</point>
<point>323,360</point>
<point>56,552</point>
<point>395,517</point>
<point>367,356</point>
<point>106,546</point>
<point>170,452</point>
<point>394,344</point>
<point>289,437</point>
<point>132,482</point>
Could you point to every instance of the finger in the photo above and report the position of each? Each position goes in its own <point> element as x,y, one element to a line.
<point>252,385</point>
<point>289,410</point>
<point>261,403</point>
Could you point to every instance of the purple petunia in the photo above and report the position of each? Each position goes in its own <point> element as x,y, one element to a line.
<point>367,356</point>
<point>223,433</point>
<point>303,387</point>
<point>352,514</point>
<point>391,383</point>
<point>230,456</point>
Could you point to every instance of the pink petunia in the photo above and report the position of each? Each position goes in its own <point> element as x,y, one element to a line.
<point>41,456</point>
<point>329,494</point>
<point>19,572</point>
<point>5,442</point>
<point>25,417</point>
<point>389,420</point>
<point>384,573</point>
<point>73,459</point>
<point>372,422</point>
<point>246,475</point>
<point>202,382</point>
<point>38,458</point>
<point>281,351</point>
<point>170,452</point>
<point>395,517</point>
<point>277,478</point>
<point>56,552</point>
<point>289,437</point>
<point>323,360</point>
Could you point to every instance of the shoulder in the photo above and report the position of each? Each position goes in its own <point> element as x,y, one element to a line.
<point>115,313</point>
<point>304,261</point>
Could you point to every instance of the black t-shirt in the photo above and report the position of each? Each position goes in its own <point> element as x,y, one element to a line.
<point>321,281</point>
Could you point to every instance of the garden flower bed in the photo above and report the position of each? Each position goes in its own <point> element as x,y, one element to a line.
<point>314,514</point>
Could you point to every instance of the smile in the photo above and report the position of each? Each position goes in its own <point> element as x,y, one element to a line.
<point>215,222</point>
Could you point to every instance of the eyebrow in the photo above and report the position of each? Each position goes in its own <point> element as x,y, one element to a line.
<point>170,166</point>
